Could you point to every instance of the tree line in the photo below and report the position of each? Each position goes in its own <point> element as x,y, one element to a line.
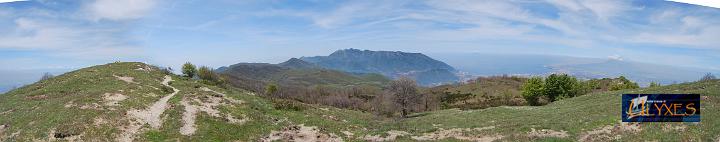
<point>542,90</point>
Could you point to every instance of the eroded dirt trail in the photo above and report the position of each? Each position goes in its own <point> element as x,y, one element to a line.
<point>209,106</point>
<point>150,116</point>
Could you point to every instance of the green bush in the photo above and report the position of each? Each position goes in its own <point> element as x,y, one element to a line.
<point>283,104</point>
<point>558,87</point>
<point>271,89</point>
<point>654,84</point>
<point>554,87</point>
<point>533,89</point>
<point>208,76</point>
<point>189,70</point>
<point>622,84</point>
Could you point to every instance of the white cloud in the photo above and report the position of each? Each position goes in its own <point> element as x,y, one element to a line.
<point>602,9</point>
<point>63,39</point>
<point>4,1</point>
<point>708,3</point>
<point>706,38</point>
<point>119,9</point>
<point>615,57</point>
<point>606,9</point>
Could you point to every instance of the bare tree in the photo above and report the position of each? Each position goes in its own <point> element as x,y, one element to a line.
<point>708,77</point>
<point>405,91</point>
<point>46,76</point>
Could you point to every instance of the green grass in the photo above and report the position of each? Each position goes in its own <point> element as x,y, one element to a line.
<point>578,115</point>
<point>32,118</point>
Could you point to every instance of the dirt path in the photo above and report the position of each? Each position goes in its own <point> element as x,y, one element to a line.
<point>188,118</point>
<point>209,106</point>
<point>150,116</point>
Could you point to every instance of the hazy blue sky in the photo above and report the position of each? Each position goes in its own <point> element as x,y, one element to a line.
<point>71,33</point>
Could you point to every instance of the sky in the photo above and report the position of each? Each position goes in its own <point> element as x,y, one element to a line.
<point>71,34</point>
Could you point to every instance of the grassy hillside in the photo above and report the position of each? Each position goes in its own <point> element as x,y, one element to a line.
<point>594,117</point>
<point>260,74</point>
<point>95,104</point>
<point>482,92</point>
<point>102,103</point>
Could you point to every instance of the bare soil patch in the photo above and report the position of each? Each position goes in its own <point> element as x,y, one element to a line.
<point>125,78</point>
<point>392,135</point>
<point>610,132</point>
<point>99,121</point>
<point>113,99</point>
<point>6,112</point>
<point>546,133</point>
<point>150,116</point>
<point>459,133</point>
<point>209,106</point>
<point>36,97</point>
<point>188,118</point>
<point>221,95</point>
<point>2,129</point>
<point>348,134</point>
<point>94,106</point>
<point>301,133</point>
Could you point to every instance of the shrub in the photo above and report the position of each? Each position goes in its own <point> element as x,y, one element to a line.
<point>189,70</point>
<point>533,89</point>
<point>283,104</point>
<point>538,91</point>
<point>205,73</point>
<point>208,76</point>
<point>654,84</point>
<point>622,84</point>
<point>558,87</point>
<point>271,89</point>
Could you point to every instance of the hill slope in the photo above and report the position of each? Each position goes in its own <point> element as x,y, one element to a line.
<point>389,63</point>
<point>592,117</point>
<point>133,101</point>
<point>294,72</point>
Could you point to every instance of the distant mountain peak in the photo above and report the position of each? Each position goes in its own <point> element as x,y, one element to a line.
<point>297,63</point>
<point>389,63</point>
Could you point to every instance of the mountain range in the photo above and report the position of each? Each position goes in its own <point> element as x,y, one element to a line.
<point>294,72</point>
<point>394,64</point>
